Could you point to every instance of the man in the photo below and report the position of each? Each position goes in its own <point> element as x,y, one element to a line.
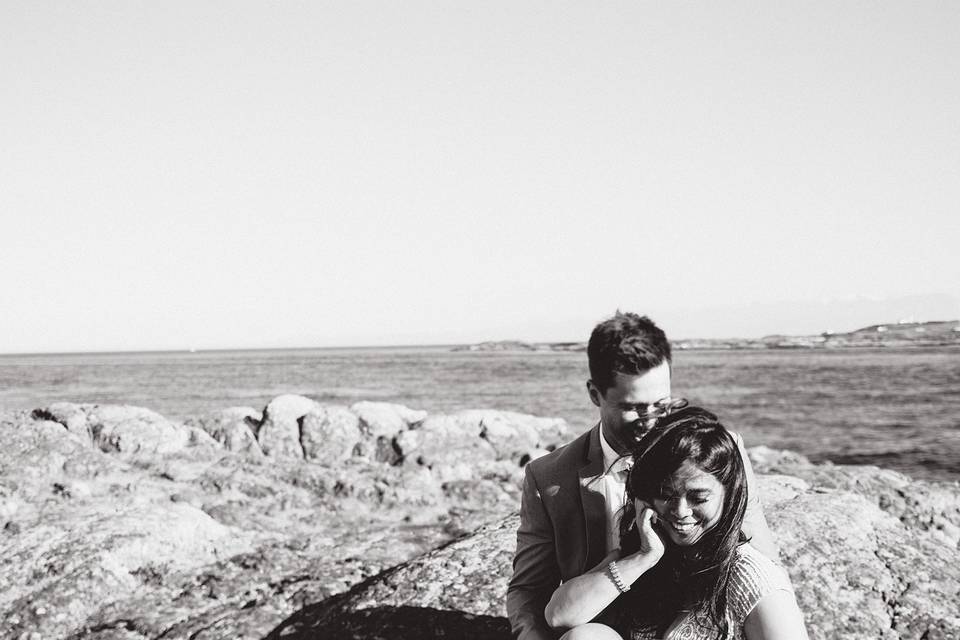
<point>571,497</point>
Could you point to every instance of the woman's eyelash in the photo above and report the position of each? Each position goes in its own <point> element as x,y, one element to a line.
<point>695,499</point>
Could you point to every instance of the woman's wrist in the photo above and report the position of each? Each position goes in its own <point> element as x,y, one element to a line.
<point>634,565</point>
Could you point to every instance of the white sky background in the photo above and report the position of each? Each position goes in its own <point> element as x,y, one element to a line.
<point>266,174</point>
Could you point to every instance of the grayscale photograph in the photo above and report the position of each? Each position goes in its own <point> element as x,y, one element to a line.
<point>494,320</point>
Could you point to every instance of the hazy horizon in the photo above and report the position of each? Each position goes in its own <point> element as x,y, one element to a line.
<point>217,175</point>
<point>428,345</point>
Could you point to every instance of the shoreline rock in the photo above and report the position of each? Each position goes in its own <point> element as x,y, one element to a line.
<point>858,571</point>
<point>372,517</point>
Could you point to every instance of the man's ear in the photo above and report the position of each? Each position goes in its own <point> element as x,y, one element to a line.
<point>594,392</point>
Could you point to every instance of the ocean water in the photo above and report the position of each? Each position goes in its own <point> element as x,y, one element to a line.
<point>898,409</point>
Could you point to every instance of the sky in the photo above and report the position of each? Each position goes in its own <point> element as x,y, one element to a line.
<point>241,174</point>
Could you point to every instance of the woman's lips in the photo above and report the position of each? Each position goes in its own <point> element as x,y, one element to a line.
<point>683,528</point>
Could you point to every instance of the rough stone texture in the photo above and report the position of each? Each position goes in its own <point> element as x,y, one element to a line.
<point>279,434</point>
<point>515,436</point>
<point>476,435</point>
<point>448,440</point>
<point>70,415</point>
<point>67,571</point>
<point>858,570</point>
<point>329,435</point>
<point>126,429</point>
<point>455,591</point>
<point>235,428</point>
<point>119,428</point>
<point>203,542</point>
<point>928,506</point>
<point>386,419</point>
<point>381,425</point>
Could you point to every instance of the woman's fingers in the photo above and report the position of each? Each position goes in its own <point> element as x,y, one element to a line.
<point>648,519</point>
<point>645,521</point>
<point>642,508</point>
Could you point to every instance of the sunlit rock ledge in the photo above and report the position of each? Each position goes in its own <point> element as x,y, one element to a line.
<point>304,520</point>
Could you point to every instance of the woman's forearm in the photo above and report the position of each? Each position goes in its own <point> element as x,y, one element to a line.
<point>581,599</point>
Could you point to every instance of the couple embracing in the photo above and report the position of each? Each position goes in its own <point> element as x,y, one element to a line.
<point>649,525</point>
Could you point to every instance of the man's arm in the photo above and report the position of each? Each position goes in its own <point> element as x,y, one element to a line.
<point>754,523</point>
<point>535,570</point>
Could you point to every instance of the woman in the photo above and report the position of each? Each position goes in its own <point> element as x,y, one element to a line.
<point>683,570</point>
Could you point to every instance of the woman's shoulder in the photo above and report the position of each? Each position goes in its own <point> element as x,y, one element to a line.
<point>752,577</point>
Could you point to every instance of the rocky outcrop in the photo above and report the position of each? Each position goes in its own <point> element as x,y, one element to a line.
<point>365,520</point>
<point>118,523</point>
<point>279,433</point>
<point>329,435</point>
<point>63,568</point>
<point>859,571</point>
<point>455,591</point>
<point>386,419</point>
<point>119,429</point>
<point>297,427</point>
<point>234,428</point>
<point>474,436</point>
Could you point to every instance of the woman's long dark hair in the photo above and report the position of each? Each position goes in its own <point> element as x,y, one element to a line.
<point>693,578</point>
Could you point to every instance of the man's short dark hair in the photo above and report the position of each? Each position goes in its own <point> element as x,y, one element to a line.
<point>626,343</point>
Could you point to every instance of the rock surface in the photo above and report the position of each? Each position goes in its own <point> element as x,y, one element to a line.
<point>859,572</point>
<point>234,428</point>
<point>455,591</point>
<point>311,520</point>
<point>118,523</point>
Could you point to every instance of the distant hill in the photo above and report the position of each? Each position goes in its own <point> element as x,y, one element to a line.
<point>517,345</point>
<point>898,334</point>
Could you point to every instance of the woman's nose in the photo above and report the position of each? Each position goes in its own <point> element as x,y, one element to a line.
<point>680,508</point>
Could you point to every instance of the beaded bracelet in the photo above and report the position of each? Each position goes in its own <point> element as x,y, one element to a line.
<point>615,576</point>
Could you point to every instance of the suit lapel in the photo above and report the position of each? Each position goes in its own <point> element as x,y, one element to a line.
<point>594,502</point>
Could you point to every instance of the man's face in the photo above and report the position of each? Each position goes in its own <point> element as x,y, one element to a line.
<point>618,405</point>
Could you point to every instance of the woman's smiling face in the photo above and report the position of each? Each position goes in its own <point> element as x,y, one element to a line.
<point>689,504</point>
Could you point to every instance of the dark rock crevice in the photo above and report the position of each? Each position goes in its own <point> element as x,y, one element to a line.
<point>45,414</point>
<point>300,437</point>
<point>122,624</point>
<point>891,600</point>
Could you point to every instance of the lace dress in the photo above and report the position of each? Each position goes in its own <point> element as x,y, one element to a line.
<point>753,576</point>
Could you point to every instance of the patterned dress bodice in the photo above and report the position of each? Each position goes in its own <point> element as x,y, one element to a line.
<point>752,577</point>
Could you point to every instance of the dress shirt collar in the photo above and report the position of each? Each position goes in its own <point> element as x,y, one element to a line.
<point>613,462</point>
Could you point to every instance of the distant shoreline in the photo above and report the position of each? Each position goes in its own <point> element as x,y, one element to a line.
<point>894,335</point>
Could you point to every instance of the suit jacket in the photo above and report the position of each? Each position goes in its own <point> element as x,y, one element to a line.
<point>563,528</point>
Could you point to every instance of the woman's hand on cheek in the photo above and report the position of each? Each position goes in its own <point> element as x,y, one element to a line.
<point>651,544</point>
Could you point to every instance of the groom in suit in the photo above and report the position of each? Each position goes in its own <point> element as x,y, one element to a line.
<point>571,497</point>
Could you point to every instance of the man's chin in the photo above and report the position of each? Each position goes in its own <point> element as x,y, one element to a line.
<point>639,430</point>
